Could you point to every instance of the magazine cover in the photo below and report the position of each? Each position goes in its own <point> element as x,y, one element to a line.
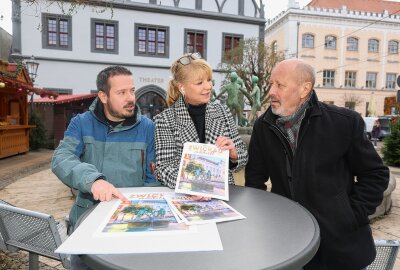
<point>146,212</point>
<point>203,171</point>
<point>200,212</point>
<point>88,238</point>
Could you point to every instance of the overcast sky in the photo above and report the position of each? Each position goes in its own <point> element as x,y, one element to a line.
<point>273,7</point>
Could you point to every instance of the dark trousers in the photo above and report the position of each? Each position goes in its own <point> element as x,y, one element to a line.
<point>78,264</point>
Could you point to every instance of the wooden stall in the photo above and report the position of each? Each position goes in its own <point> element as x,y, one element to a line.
<point>15,86</point>
<point>57,113</point>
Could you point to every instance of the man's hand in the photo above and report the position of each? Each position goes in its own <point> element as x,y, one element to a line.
<point>104,191</point>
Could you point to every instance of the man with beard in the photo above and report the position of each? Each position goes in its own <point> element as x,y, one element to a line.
<point>110,146</point>
<point>319,156</point>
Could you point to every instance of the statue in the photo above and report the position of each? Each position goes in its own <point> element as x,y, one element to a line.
<point>213,94</point>
<point>242,120</point>
<point>233,89</point>
<point>255,96</point>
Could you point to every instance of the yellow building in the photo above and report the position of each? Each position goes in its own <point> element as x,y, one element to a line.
<point>352,44</point>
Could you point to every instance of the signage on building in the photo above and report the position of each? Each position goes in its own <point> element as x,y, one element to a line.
<point>151,80</point>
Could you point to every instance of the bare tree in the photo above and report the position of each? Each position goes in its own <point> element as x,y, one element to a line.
<point>252,57</point>
<point>351,100</point>
<point>69,7</point>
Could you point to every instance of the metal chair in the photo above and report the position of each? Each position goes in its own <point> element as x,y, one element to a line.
<point>386,252</point>
<point>3,245</point>
<point>35,232</point>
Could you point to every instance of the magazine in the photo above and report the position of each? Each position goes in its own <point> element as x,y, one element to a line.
<point>146,212</point>
<point>94,235</point>
<point>203,171</point>
<point>200,212</point>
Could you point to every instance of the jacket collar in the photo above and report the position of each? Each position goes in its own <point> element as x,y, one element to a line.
<point>313,110</point>
<point>214,121</point>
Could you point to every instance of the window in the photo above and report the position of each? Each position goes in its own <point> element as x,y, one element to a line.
<point>391,80</point>
<point>274,47</point>
<point>393,47</point>
<point>370,81</point>
<point>151,40</point>
<point>195,41</point>
<point>307,41</point>
<point>330,42</point>
<point>230,42</point>
<point>57,32</point>
<point>351,105</point>
<point>104,36</point>
<point>373,45</point>
<point>350,79</point>
<point>328,78</point>
<point>329,102</point>
<point>352,44</point>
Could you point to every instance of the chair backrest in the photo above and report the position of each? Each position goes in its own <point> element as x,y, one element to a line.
<point>3,245</point>
<point>31,231</point>
<point>386,252</point>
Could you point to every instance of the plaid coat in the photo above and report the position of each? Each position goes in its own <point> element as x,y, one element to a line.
<point>174,127</point>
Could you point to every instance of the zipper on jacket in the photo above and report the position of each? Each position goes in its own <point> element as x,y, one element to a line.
<point>143,165</point>
<point>289,169</point>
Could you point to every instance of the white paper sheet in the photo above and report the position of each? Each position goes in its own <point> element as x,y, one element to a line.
<point>85,239</point>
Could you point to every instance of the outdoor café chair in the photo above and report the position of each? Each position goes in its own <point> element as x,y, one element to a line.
<point>2,244</point>
<point>35,232</point>
<point>386,252</point>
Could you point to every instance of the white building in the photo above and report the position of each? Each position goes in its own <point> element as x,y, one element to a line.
<point>145,36</point>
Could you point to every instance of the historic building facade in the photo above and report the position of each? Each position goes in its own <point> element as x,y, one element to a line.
<point>352,44</point>
<point>145,36</point>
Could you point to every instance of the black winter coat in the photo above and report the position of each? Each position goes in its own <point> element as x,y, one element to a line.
<point>332,150</point>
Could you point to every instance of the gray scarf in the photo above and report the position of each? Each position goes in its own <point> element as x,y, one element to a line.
<point>290,125</point>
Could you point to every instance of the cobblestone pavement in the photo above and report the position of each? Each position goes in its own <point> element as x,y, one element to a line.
<point>43,192</point>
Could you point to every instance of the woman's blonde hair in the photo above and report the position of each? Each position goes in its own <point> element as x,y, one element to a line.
<point>197,68</point>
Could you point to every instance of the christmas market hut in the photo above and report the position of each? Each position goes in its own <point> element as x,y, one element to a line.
<point>57,113</point>
<point>15,86</point>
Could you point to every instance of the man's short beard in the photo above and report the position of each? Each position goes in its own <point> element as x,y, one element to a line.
<point>120,115</point>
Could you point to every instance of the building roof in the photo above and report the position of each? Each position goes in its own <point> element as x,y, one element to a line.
<point>377,6</point>
<point>64,98</point>
<point>16,76</point>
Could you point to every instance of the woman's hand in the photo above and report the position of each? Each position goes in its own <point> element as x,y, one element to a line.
<point>226,143</point>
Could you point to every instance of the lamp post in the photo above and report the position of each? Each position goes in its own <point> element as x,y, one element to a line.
<point>32,67</point>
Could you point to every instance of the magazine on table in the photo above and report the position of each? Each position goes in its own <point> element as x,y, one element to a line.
<point>203,171</point>
<point>145,225</point>
<point>200,212</point>
<point>145,212</point>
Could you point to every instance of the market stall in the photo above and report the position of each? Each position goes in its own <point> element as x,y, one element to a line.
<point>15,87</point>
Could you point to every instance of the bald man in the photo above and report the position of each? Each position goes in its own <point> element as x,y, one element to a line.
<point>319,156</point>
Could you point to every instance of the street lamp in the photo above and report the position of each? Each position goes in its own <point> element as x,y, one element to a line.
<point>32,67</point>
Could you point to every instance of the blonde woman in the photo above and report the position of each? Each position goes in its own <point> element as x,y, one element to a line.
<point>192,117</point>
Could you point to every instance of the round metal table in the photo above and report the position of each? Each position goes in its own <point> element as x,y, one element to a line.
<point>276,234</point>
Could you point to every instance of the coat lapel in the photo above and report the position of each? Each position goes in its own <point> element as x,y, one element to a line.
<point>185,123</point>
<point>215,123</point>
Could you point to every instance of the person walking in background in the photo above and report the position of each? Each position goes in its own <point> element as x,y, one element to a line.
<point>376,132</point>
<point>319,156</point>
<point>191,117</point>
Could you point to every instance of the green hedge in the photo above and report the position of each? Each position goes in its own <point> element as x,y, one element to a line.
<point>391,145</point>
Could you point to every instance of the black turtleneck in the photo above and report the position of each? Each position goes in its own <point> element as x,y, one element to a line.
<point>198,115</point>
